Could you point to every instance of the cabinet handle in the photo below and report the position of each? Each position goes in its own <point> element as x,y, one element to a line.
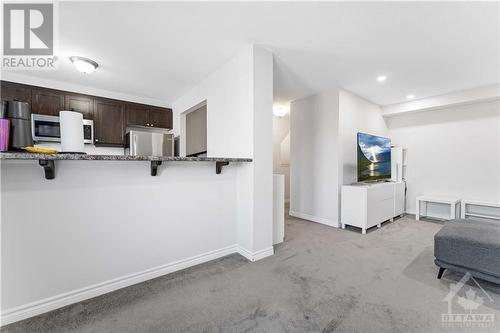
<point>96,140</point>
<point>147,124</point>
<point>152,125</point>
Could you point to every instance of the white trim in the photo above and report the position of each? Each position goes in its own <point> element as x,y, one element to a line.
<point>58,301</point>
<point>254,256</point>
<point>313,218</point>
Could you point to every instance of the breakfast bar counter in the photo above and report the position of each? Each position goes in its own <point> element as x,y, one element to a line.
<point>47,160</point>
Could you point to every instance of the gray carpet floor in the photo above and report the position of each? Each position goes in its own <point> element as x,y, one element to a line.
<point>321,279</point>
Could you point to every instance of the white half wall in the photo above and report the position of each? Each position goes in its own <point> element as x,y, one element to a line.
<point>314,153</point>
<point>103,225</point>
<point>451,151</point>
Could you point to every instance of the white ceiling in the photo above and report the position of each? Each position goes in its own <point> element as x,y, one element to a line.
<point>160,50</point>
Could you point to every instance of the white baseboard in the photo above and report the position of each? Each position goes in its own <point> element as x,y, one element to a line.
<point>58,301</point>
<point>254,256</point>
<point>313,218</point>
<point>55,302</point>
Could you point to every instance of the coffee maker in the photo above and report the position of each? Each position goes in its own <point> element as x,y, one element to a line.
<point>19,114</point>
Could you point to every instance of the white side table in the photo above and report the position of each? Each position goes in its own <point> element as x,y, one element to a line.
<point>448,200</point>
<point>466,204</point>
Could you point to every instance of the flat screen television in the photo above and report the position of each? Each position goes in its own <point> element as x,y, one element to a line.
<point>374,158</point>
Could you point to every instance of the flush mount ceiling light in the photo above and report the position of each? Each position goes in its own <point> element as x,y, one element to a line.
<point>84,65</point>
<point>381,78</point>
<point>279,111</point>
<point>410,96</point>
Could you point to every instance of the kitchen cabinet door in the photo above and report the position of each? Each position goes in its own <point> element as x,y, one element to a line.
<point>47,101</point>
<point>80,103</point>
<point>20,92</point>
<point>137,114</point>
<point>160,117</point>
<point>109,122</point>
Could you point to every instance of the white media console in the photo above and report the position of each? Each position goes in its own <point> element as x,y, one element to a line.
<point>367,205</point>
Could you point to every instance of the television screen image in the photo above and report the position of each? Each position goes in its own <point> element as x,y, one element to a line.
<point>374,157</point>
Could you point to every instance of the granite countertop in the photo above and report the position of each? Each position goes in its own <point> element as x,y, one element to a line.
<point>86,157</point>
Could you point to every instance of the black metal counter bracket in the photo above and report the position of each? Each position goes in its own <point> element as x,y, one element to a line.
<point>154,167</point>
<point>219,165</point>
<point>49,168</point>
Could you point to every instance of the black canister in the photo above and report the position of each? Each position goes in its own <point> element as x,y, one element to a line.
<point>19,114</point>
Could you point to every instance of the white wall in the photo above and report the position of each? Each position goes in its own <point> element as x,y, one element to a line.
<point>281,132</point>
<point>314,155</point>
<point>453,151</point>
<point>229,96</point>
<point>239,124</point>
<point>356,115</point>
<point>99,221</point>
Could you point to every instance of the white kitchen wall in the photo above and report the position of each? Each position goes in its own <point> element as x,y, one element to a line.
<point>451,151</point>
<point>314,156</point>
<point>281,150</point>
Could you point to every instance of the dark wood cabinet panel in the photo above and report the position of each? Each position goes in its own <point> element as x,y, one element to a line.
<point>109,122</point>
<point>137,114</point>
<point>80,103</point>
<point>20,92</point>
<point>47,101</point>
<point>160,117</point>
<point>110,116</point>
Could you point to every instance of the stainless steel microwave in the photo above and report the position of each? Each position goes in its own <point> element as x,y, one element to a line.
<point>47,128</point>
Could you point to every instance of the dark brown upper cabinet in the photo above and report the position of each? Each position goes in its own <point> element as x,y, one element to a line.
<point>109,122</point>
<point>149,116</point>
<point>47,101</point>
<point>80,103</point>
<point>14,91</point>
<point>160,117</point>
<point>137,114</point>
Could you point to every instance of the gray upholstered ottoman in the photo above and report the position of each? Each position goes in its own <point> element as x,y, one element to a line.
<point>469,246</point>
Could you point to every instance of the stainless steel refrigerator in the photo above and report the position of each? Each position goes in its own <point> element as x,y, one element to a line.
<point>145,143</point>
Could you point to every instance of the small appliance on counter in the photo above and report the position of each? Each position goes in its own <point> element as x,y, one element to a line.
<point>71,132</point>
<point>19,114</point>
<point>148,143</point>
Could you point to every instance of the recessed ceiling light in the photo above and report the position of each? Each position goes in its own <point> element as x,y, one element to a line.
<point>411,96</point>
<point>279,111</point>
<point>84,65</point>
<point>381,78</point>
